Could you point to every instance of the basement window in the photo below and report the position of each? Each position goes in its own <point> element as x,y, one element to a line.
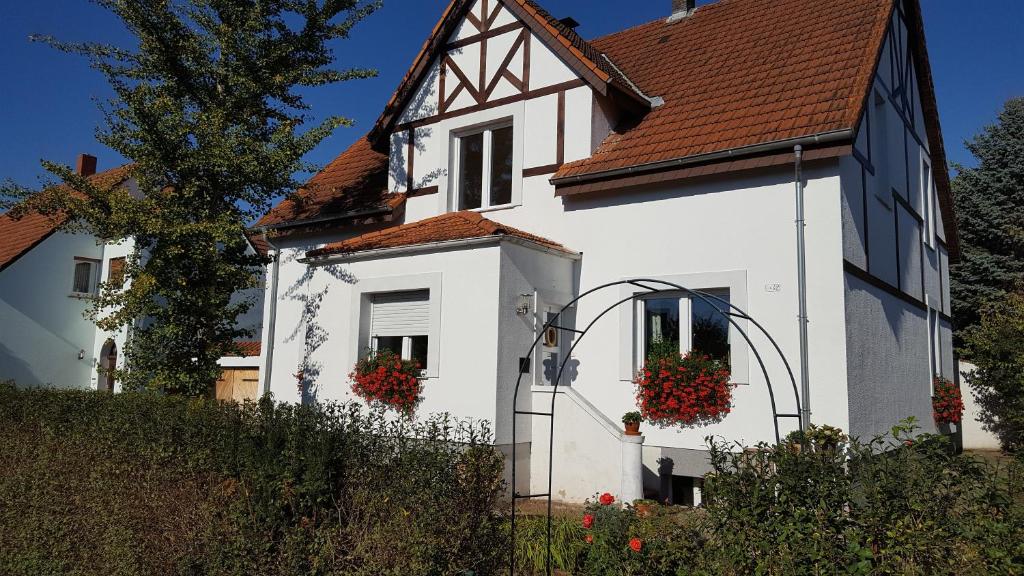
<point>483,167</point>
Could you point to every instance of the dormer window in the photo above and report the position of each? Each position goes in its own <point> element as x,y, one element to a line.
<point>483,165</point>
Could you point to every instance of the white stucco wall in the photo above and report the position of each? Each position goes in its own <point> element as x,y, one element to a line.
<point>42,327</point>
<point>975,437</point>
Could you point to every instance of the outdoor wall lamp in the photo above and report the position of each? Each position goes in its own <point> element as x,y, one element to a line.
<point>524,303</point>
<point>81,354</point>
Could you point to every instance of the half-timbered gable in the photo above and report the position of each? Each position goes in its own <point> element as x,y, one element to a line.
<point>895,218</point>
<point>499,63</point>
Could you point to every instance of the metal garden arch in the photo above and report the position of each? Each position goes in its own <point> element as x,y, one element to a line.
<point>648,287</point>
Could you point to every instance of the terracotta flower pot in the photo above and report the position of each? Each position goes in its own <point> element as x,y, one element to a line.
<point>633,429</point>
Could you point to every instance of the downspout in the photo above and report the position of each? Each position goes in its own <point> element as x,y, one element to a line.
<point>801,271</point>
<point>269,344</point>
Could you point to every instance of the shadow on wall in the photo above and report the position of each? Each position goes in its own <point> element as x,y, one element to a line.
<point>13,368</point>
<point>423,104</point>
<point>308,328</point>
<point>16,369</point>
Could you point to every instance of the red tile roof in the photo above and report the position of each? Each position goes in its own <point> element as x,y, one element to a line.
<point>20,235</point>
<point>446,227</point>
<point>355,181</point>
<point>738,73</point>
<point>249,348</point>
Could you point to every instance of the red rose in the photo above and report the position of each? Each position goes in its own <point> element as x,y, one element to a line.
<point>589,538</point>
<point>635,544</point>
<point>588,520</point>
<point>607,499</point>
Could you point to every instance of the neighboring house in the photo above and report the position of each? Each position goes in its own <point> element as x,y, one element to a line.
<point>48,278</point>
<point>519,165</point>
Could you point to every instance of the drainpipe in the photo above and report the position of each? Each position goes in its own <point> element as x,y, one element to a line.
<point>801,271</point>
<point>272,312</point>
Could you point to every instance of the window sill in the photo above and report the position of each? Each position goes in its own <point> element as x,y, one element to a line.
<point>496,208</point>
<point>82,296</point>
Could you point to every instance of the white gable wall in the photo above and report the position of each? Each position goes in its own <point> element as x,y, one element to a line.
<point>42,328</point>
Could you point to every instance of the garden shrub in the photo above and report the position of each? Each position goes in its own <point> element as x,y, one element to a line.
<point>96,483</point>
<point>822,503</point>
<point>818,503</point>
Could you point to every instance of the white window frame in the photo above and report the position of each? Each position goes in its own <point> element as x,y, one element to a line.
<point>94,276</point>
<point>406,352</point>
<point>928,197</point>
<point>685,327</point>
<point>362,306</point>
<point>487,130</point>
<point>632,329</point>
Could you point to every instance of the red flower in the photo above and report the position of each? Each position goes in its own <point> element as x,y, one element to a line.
<point>607,499</point>
<point>635,544</point>
<point>683,390</point>
<point>589,538</point>
<point>588,520</point>
<point>947,404</point>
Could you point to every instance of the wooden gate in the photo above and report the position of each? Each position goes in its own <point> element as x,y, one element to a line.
<point>238,384</point>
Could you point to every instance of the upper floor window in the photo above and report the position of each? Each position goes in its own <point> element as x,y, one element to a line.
<point>483,167</point>
<point>86,277</point>
<point>115,272</point>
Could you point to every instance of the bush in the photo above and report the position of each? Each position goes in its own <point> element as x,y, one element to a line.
<point>996,346</point>
<point>818,503</point>
<point>821,503</point>
<point>145,484</point>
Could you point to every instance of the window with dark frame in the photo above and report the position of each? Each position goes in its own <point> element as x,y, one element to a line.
<point>115,272</point>
<point>484,165</point>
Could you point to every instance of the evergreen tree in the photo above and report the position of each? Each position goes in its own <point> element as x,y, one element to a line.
<point>208,109</point>
<point>990,215</point>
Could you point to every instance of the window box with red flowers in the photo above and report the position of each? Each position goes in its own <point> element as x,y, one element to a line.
<point>384,378</point>
<point>947,404</point>
<point>683,390</point>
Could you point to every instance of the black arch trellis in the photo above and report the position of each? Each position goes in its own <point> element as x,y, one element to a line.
<point>730,314</point>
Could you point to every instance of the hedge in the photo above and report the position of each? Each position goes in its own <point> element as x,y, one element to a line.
<point>95,483</point>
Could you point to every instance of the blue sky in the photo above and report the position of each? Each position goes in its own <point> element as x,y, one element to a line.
<point>48,110</point>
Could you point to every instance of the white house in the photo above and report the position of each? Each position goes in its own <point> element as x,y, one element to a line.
<point>48,277</point>
<point>518,166</point>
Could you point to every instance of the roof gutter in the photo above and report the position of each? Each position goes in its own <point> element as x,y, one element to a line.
<point>322,259</point>
<point>775,146</point>
<point>342,216</point>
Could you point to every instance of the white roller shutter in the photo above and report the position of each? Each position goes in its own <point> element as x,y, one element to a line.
<point>400,314</point>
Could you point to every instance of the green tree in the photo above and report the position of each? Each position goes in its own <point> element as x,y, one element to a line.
<point>996,346</point>
<point>990,214</point>
<point>208,108</point>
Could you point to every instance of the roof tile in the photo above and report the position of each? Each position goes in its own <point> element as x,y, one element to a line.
<point>446,227</point>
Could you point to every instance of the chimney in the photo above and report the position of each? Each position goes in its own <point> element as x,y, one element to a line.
<point>86,165</point>
<point>682,8</point>
<point>569,22</point>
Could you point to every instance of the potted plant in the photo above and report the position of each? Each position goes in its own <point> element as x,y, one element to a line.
<point>683,390</point>
<point>631,420</point>
<point>384,378</point>
<point>947,405</point>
